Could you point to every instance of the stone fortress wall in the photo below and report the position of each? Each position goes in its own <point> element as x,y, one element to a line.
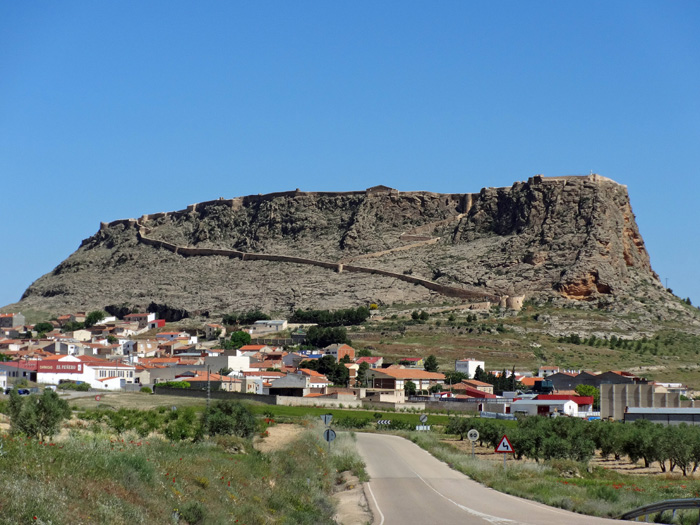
<point>420,235</point>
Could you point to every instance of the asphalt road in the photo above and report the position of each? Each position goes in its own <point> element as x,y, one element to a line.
<point>409,486</point>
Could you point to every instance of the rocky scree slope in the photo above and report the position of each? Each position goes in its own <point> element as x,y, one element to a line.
<point>550,239</point>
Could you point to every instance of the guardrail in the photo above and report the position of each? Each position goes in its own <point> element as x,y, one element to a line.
<point>662,506</point>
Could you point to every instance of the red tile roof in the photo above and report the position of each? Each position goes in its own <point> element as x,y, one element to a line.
<point>403,373</point>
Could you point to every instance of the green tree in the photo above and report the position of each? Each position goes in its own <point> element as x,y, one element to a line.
<point>94,317</point>
<point>409,387</point>
<point>480,375</point>
<point>362,374</point>
<point>590,391</point>
<point>459,426</point>
<point>452,377</point>
<point>112,339</point>
<point>239,339</point>
<point>37,416</point>
<point>644,441</point>
<point>431,364</point>
<point>319,337</point>
<point>42,328</point>
<point>72,326</point>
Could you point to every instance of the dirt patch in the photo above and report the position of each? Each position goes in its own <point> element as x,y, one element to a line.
<point>278,437</point>
<point>353,508</point>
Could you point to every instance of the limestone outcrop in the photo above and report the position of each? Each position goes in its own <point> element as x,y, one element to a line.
<point>558,239</point>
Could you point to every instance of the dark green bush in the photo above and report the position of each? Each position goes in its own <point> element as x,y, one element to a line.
<point>193,512</point>
<point>174,384</point>
<point>353,422</point>
<point>229,417</point>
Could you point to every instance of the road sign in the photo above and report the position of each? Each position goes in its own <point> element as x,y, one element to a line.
<point>504,446</point>
<point>384,422</point>
<point>326,418</point>
<point>422,428</point>
<point>329,435</point>
<point>473,435</point>
<point>423,418</point>
<point>98,397</point>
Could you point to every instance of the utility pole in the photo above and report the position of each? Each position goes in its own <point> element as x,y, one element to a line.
<point>208,387</point>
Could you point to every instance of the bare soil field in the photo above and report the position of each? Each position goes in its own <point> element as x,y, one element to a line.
<point>278,437</point>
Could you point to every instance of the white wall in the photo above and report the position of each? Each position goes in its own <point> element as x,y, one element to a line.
<point>469,367</point>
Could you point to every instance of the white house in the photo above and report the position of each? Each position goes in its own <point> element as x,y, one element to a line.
<point>173,336</point>
<point>547,370</point>
<point>237,363</point>
<point>469,366</point>
<point>141,319</point>
<point>273,325</point>
<point>98,373</point>
<point>544,407</point>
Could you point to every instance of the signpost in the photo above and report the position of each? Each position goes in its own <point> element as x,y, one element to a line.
<point>384,422</point>
<point>423,427</point>
<point>329,433</point>
<point>504,447</point>
<point>472,436</point>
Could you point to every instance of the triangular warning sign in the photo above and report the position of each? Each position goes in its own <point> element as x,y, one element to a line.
<point>504,446</point>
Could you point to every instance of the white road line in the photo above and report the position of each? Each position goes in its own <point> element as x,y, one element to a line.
<point>486,517</point>
<point>375,503</point>
<point>483,516</point>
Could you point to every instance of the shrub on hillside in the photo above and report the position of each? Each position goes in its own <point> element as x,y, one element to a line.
<point>37,416</point>
<point>229,417</point>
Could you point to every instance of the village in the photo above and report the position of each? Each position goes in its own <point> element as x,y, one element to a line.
<point>137,353</point>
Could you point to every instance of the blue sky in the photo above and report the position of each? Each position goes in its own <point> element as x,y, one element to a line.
<point>111,110</point>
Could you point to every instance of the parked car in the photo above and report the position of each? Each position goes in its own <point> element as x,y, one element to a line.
<point>23,391</point>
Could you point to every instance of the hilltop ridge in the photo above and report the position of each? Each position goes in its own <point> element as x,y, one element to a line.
<point>557,239</point>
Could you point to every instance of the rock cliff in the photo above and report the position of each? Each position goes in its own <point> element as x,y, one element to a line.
<point>557,239</point>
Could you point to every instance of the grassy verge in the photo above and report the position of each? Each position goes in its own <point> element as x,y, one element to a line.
<point>566,484</point>
<point>97,478</point>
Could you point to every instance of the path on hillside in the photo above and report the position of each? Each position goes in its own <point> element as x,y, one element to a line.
<point>408,485</point>
<point>415,234</point>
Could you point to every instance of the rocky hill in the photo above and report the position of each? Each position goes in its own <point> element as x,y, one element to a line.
<point>562,240</point>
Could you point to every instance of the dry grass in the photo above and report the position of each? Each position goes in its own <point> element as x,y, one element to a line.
<point>135,400</point>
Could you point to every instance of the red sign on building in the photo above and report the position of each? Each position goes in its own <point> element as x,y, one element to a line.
<point>56,367</point>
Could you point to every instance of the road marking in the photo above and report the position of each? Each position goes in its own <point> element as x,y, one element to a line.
<point>375,503</point>
<point>486,517</point>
